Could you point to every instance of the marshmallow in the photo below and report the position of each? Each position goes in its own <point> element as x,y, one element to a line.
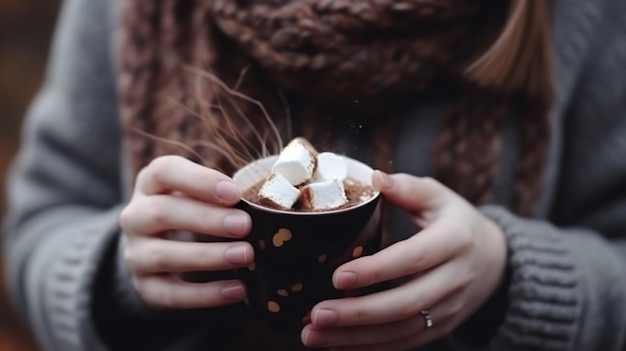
<point>296,162</point>
<point>325,195</point>
<point>330,166</point>
<point>278,193</point>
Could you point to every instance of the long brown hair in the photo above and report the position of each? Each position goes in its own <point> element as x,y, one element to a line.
<point>170,94</point>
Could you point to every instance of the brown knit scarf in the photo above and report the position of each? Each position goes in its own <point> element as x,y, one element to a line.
<point>217,81</point>
<point>342,50</point>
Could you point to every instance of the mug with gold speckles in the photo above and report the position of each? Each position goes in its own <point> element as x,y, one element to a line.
<point>296,253</point>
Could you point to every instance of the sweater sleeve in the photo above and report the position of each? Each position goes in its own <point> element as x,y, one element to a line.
<point>63,189</point>
<point>567,288</point>
<point>61,232</point>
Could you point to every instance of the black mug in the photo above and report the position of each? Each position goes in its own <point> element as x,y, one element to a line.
<point>296,253</point>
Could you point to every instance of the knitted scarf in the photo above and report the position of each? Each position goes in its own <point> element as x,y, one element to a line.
<point>216,80</point>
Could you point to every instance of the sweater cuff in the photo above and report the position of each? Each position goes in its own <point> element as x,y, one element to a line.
<point>544,302</point>
<point>67,286</point>
<point>125,321</point>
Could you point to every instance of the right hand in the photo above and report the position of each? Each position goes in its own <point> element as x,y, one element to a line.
<point>173,193</point>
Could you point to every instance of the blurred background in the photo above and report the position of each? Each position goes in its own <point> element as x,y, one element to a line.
<point>25,31</point>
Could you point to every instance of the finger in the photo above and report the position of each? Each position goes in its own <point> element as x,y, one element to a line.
<point>401,344</point>
<point>174,173</point>
<point>395,304</point>
<point>149,255</point>
<point>441,314</point>
<point>411,193</point>
<point>430,247</point>
<point>154,214</point>
<point>361,335</point>
<point>165,291</point>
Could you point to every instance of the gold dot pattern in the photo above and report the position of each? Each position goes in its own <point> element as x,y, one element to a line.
<point>281,237</point>
<point>273,307</point>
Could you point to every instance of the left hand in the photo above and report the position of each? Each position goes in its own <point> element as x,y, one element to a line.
<point>453,265</point>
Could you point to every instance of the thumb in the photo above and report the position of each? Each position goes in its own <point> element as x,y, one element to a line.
<point>415,194</point>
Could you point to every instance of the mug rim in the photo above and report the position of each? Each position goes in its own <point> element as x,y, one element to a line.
<point>374,197</point>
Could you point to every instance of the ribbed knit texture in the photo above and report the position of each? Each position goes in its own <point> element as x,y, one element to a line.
<point>544,295</point>
<point>68,288</point>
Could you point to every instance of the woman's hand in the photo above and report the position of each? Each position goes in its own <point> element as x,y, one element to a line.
<point>453,265</point>
<point>173,193</point>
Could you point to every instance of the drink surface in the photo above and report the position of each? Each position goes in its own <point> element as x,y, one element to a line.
<point>356,193</point>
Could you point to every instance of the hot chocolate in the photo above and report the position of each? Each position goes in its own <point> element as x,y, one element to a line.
<point>303,180</point>
<point>356,193</point>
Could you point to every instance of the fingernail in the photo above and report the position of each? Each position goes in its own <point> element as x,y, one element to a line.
<point>325,317</point>
<point>237,224</point>
<point>386,181</point>
<point>228,192</point>
<point>233,291</point>
<point>313,339</point>
<point>237,254</point>
<point>345,280</point>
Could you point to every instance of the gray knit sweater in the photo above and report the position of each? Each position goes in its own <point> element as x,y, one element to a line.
<point>567,288</point>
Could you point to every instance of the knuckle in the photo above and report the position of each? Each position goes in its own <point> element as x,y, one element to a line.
<point>143,175</point>
<point>359,314</point>
<point>204,255</point>
<point>461,235</point>
<point>208,219</point>
<point>465,279</point>
<point>157,211</point>
<point>146,291</point>
<point>443,193</point>
<point>129,257</point>
<point>152,293</point>
<point>162,163</point>
<point>156,256</point>
<point>470,277</point>
<point>199,174</point>
<point>417,260</point>
<point>371,274</point>
<point>161,166</point>
<point>127,216</point>
<point>464,238</point>
<point>157,169</point>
